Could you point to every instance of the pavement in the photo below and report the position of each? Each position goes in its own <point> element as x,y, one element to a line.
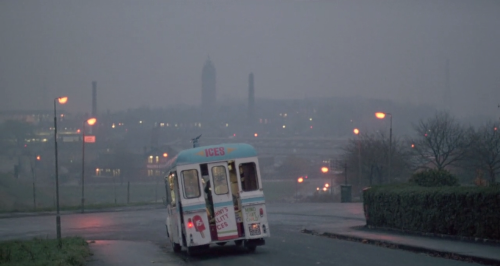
<point>352,227</point>
<point>473,250</point>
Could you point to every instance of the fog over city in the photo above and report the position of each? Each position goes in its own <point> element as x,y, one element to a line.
<point>151,53</point>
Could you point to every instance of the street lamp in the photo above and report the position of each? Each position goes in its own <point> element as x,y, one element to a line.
<point>61,100</point>
<point>324,169</point>
<point>91,122</point>
<point>356,132</point>
<point>381,115</point>
<point>299,180</point>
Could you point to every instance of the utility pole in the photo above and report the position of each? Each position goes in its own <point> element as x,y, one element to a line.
<point>33,164</point>
<point>345,172</point>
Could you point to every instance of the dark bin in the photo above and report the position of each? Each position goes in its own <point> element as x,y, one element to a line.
<point>345,193</point>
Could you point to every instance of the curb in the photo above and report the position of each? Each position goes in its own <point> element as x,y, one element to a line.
<point>443,236</point>
<point>388,244</point>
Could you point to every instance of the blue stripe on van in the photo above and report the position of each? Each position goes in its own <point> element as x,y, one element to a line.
<point>222,204</point>
<point>194,207</point>
<point>250,200</point>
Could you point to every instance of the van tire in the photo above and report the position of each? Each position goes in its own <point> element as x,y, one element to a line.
<point>176,247</point>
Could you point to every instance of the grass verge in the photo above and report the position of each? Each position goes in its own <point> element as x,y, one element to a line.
<point>38,252</point>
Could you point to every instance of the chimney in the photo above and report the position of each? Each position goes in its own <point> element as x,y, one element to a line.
<point>251,98</point>
<point>94,98</point>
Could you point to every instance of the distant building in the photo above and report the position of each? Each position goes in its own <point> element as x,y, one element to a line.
<point>32,117</point>
<point>208,92</point>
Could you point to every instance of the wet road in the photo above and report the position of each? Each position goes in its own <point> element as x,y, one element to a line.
<point>287,246</point>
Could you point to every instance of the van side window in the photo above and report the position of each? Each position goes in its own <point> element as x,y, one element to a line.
<point>248,177</point>
<point>171,184</point>
<point>220,180</point>
<point>167,191</point>
<point>191,182</point>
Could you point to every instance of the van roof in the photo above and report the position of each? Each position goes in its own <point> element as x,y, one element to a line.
<point>212,153</point>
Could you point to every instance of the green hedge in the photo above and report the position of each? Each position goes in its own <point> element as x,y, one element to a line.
<point>461,211</point>
<point>434,178</point>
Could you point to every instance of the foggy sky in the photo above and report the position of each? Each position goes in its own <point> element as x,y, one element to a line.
<point>151,53</point>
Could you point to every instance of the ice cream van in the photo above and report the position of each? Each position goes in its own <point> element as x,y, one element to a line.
<point>214,195</point>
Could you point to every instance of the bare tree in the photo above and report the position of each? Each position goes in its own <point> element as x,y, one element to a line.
<point>441,141</point>
<point>369,151</point>
<point>485,153</point>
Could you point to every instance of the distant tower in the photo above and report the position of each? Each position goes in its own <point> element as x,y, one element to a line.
<point>251,98</point>
<point>208,85</point>
<point>94,98</point>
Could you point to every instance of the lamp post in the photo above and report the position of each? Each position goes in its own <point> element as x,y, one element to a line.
<point>299,180</point>
<point>356,132</point>
<point>91,122</point>
<point>381,115</point>
<point>325,170</point>
<point>61,100</point>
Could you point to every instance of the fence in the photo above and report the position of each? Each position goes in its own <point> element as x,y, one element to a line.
<point>21,195</point>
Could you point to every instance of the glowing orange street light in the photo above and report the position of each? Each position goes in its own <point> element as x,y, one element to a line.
<point>165,155</point>
<point>325,189</point>
<point>413,145</point>
<point>380,115</point>
<point>255,135</point>
<point>300,180</point>
<point>62,100</point>
<point>317,188</point>
<point>91,121</point>
<point>356,131</point>
<point>327,185</point>
<point>324,169</point>
<point>38,157</point>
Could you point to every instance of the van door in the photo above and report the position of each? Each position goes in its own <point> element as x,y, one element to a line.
<point>252,198</point>
<point>225,220</point>
<point>195,223</point>
<point>173,218</point>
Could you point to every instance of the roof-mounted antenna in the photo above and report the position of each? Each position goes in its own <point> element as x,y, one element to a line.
<point>195,141</point>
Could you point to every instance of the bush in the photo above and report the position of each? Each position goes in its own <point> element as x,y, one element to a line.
<point>460,211</point>
<point>434,178</point>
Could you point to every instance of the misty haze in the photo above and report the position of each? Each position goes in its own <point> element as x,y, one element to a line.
<point>362,120</point>
<point>151,54</point>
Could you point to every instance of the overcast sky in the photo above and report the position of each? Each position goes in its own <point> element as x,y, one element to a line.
<point>151,53</point>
